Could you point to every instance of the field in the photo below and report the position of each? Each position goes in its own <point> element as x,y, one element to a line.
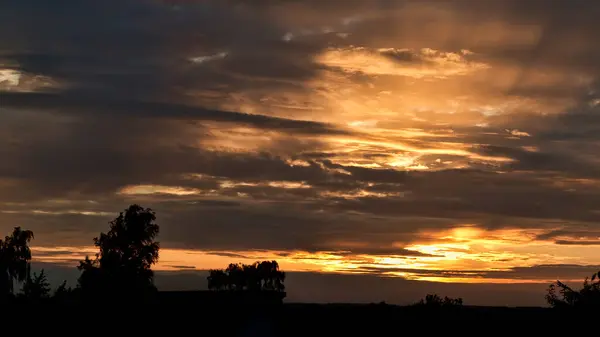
<point>185,313</point>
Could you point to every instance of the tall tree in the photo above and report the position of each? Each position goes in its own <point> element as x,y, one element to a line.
<point>122,267</point>
<point>15,255</point>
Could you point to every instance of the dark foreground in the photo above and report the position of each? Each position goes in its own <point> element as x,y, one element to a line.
<point>304,320</point>
<point>181,313</point>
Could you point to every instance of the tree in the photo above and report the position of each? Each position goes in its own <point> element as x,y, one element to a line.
<point>562,296</point>
<point>14,259</point>
<point>258,276</point>
<point>37,287</point>
<point>62,292</point>
<point>217,279</point>
<point>435,301</point>
<point>122,267</point>
<point>271,276</point>
<point>236,278</point>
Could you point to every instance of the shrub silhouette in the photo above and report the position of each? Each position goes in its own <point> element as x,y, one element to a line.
<point>435,301</point>
<point>122,267</point>
<point>62,293</point>
<point>258,276</point>
<point>14,260</point>
<point>35,288</point>
<point>562,296</point>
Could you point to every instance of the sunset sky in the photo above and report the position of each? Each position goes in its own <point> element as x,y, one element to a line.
<point>417,142</point>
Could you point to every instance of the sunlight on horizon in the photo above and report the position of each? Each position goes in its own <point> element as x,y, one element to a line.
<point>459,255</point>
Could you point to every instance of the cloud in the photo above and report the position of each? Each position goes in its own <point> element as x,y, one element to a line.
<point>158,189</point>
<point>547,273</point>
<point>10,77</point>
<point>401,62</point>
<point>202,59</point>
<point>374,130</point>
<point>578,242</point>
<point>79,106</point>
<point>183,267</point>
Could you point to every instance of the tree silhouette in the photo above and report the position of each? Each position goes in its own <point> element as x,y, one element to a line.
<point>236,277</point>
<point>122,267</point>
<point>37,287</point>
<point>62,293</point>
<point>258,276</point>
<point>217,279</point>
<point>14,259</point>
<point>435,301</point>
<point>271,276</point>
<point>562,296</point>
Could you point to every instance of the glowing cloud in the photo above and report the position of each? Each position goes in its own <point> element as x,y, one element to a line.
<point>401,62</point>
<point>158,189</point>
<point>208,58</point>
<point>9,77</point>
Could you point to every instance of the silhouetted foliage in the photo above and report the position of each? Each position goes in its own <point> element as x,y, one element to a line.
<point>14,259</point>
<point>36,288</point>
<point>122,267</point>
<point>435,301</point>
<point>561,295</point>
<point>217,279</point>
<point>258,276</point>
<point>62,291</point>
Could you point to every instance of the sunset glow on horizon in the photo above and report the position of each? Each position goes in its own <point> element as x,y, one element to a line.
<point>462,255</point>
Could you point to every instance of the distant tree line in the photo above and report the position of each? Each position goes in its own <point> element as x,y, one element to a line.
<point>435,301</point>
<point>122,268</point>
<point>562,296</point>
<point>258,276</point>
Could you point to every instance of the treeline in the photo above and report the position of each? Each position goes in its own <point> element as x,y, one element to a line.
<point>252,277</point>
<point>562,296</point>
<point>122,271</point>
<point>122,268</point>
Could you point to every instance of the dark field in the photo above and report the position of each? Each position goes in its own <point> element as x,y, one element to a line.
<point>179,313</point>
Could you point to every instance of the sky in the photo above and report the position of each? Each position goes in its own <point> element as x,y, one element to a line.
<point>393,146</point>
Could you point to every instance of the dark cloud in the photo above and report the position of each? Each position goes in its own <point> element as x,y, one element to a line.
<point>225,97</point>
<point>227,254</point>
<point>578,242</point>
<point>464,194</point>
<point>102,108</point>
<point>581,233</point>
<point>563,163</point>
<point>539,272</point>
<point>183,267</point>
<point>53,253</point>
<point>132,49</point>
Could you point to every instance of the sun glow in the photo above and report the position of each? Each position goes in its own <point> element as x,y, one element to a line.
<point>463,254</point>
